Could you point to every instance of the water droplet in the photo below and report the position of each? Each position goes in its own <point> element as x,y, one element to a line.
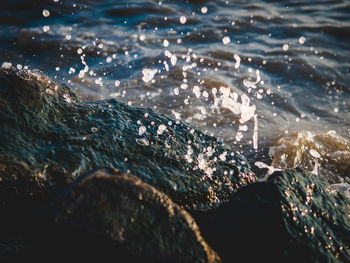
<point>238,61</point>
<point>285,47</point>
<point>315,153</point>
<point>226,40</point>
<point>46,28</point>
<point>173,60</point>
<point>176,114</point>
<point>142,130</point>
<point>196,90</point>
<point>183,19</point>
<point>142,141</point>
<point>183,86</point>
<point>302,40</point>
<point>204,10</point>
<point>46,13</point>
<point>142,37</point>
<point>161,129</point>
<point>117,83</point>
<point>6,65</point>
<point>165,43</point>
<point>148,74</point>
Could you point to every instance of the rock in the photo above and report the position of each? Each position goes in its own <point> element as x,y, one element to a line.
<point>294,216</point>
<point>45,127</point>
<point>135,215</point>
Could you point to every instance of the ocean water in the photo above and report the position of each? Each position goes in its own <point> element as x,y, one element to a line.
<point>269,78</point>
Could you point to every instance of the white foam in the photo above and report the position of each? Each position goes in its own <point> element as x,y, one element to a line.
<point>247,111</point>
<point>6,65</point>
<point>250,84</point>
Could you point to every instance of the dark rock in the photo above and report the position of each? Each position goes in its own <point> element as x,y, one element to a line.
<point>135,215</point>
<point>44,126</point>
<point>294,216</point>
<point>28,235</point>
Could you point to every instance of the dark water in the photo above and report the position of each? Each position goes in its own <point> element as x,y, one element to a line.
<point>246,72</point>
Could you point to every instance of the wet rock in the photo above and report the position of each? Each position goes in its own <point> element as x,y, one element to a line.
<point>135,215</point>
<point>294,216</point>
<point>44,126</point>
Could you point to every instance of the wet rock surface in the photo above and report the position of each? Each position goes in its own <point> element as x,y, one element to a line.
<point>144,221</point>
<point>45,127</point>
<point>134,212</point>
<point>294,216</point>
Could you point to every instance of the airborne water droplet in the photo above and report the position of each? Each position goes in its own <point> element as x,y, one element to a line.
<point>46,13</point>
<point>142,37</point>
<point>165,43</point>
<point>204,10</point>
<point>315,153</point>
<point>302,40</point>
<point>183,19</point>
<point>226,40</point>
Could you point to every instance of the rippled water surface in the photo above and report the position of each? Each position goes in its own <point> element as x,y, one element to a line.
<point>248,72</point>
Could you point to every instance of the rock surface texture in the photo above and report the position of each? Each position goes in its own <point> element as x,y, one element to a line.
<point>121,208</point>
<point>161,175</point>
<point>45,127</point>
<point>294,216</point>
